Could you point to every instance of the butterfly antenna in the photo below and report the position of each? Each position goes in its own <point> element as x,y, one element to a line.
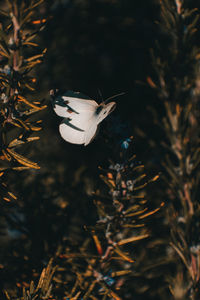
<point>100,94</point>
<point>114,96</point>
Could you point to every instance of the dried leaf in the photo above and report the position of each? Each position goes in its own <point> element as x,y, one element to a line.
<point>12,195</point>
<point>4,54</point>
<point>22,160</point>
<point>4,13</point>
<point>132,239</point>
<point>120,273</point>
<point>6,294</point>
<point>31,7</point>
<point>151,83</point>
<point>17,142</point>
<point>20,168</point>
<point>30,104</point>
<point>35,57</point>
<point>149,213</point>
<point>97,243</point>
<point>30,44</point>
<point>122,254</point>
<point>4,48</point>
<point>26,18</point>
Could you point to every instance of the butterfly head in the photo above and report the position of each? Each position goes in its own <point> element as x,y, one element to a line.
<point>103,110</point>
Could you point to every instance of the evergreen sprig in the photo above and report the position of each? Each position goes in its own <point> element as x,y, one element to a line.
<point>19,55</point>
<point>43,289</point>
<point>102,272</point>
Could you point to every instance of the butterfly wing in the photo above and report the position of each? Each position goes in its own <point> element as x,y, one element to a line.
<point>97,118</point>
<point>91,130</point>
<point>90,133</point>
<point>70,105</point>
<point>79,115</point>
<point>73,133</point>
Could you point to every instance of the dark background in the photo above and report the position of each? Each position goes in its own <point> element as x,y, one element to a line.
<point>93,45</point>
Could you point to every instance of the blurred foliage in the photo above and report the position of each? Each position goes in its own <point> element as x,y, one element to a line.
<point>177,83</point>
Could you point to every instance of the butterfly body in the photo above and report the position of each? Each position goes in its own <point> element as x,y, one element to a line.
<point>81,116</point>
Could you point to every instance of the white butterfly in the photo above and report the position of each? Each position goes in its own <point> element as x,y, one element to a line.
<point>81,116</point>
